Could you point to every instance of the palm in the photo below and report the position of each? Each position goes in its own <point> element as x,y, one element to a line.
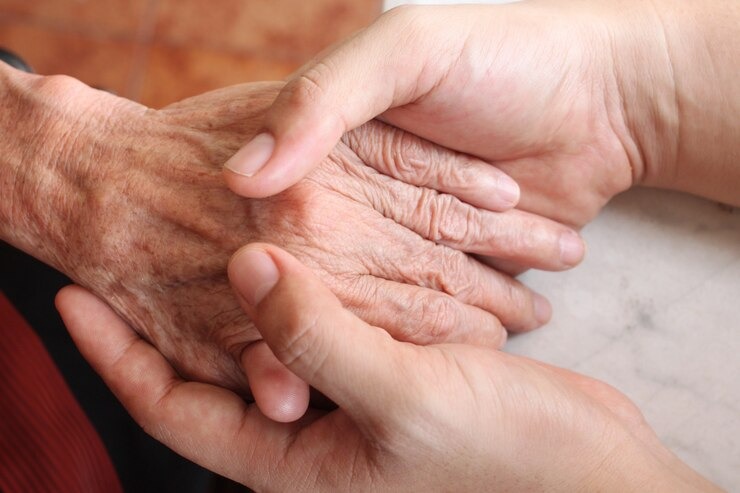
<point>423,434</point>
<point>427,433</point>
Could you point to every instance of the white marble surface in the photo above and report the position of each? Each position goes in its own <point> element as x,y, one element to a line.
<point>654,310</point>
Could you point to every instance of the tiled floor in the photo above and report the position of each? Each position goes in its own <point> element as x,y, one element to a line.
<point>160,51</point>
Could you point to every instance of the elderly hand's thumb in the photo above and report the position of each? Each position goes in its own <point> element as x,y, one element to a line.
<point>309,331</point>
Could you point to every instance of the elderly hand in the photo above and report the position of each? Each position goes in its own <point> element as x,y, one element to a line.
<point>446,417</point>
<point>133,207</point>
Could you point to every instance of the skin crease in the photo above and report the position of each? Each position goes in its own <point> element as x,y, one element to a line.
<point>444,417</point>
<point>153,238</point>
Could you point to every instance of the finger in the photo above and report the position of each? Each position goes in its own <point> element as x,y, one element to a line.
<point>420,315</point>
<point>504,266</point>
<point>514,235</point>
<point>278,393</point>
<point>461,276</point>
<point>322,102</point>
<point>416,161</point>
<point>204,423</point>
<point>310,332</point>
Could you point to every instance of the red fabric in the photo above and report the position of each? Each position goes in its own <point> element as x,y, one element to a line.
<point>47,444</point>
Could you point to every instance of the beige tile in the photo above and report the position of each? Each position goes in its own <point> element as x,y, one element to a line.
<point>99,63</point>
<point>106,17</point>
<point>198,45</point>
<point>175,73</point>
<point>294,29</point>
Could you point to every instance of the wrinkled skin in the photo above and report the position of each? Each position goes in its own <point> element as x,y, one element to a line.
<point>150,227</point>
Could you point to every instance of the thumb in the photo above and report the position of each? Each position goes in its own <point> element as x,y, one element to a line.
<point>309,331</point>
<point>371,72</point>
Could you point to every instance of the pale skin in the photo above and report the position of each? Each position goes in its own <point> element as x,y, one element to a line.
<point>634,93</point>
<point>130,203</point>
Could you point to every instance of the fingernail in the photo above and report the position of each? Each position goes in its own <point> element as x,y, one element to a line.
<point>252,157</point>
<point>253,274</point>
<point>542,309</point>
<point>508,190</point>
<point>571,248</point>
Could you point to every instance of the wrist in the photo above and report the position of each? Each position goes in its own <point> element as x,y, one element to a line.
<point>643,80</point>
<point>679,95</point>
<point>50,157</point>
<point>18,149</point>
<point>702,39</point>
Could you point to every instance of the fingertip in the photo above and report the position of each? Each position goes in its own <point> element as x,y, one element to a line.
<point>251,158</point>
<point>79,308</point>
<point>572,248</point>
<point>259,186</point>
<point>507,193</point>
<point>263,168</point>
<point>278,393</point>
<point>542,309</point>
<point>277,159</point>
<point>62,297</point>
<point>282,171</point>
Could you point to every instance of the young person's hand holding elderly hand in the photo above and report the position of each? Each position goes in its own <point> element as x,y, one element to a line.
<point>577,100</point>
<point>130,203</point>
<point>443,417</point>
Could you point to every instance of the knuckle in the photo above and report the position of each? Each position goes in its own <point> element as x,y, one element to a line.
<point>453,176</point>
<point>57,85</point>
<point>450,272</point>
<point>402,159</point>
<point>464,174</point>
<point>450,221</point>
<point>370,143</point>
<point>310,93</point>
<point>296,344</point>
<point>309,87</point>
<point>439,315</point>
